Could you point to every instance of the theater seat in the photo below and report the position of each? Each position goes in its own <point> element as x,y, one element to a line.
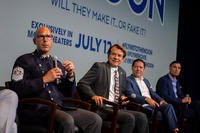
<point>155,125</point>
<point>41,120</point>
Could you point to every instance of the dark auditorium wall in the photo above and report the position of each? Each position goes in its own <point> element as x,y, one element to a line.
<point>188,51</point>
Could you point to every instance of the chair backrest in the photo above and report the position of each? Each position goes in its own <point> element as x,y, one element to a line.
<point>2,87</point>
<point>30,119</point>
<point>8,84</point>
<point>34,119</point>
<point>110,110</point>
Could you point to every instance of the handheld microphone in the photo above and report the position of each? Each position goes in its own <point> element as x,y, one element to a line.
<point>133,96</point>
<point>188,96</point>
<point>56,65</point>
<point>129,98</point>
<point>55,58</point>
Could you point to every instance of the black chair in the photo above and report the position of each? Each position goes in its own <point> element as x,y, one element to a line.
<point>31,120</point>
<point>36,120</point>
<point>109,124</point>
<point>155,125</point>
<point>41,120</point>
<point>2,87</point>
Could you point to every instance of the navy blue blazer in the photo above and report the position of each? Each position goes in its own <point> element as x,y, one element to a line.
<point>132,87</point>
<point>164,88</point>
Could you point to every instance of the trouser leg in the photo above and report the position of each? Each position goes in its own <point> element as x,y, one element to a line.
<point>169,116</point>
<point>64,122</point>
<point>126,120</point>
<point>88,121</point>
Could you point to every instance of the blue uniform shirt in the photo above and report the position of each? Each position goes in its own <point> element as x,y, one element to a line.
<point>27,74</point>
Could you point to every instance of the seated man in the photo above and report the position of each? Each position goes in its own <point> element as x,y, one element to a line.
<point>106,80</point>
<point>8,106</point>
<point>140,87</point>
<point>169,88</point>
<point>38,74</point>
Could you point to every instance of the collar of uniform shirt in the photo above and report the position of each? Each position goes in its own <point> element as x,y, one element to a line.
<point>45,56</point>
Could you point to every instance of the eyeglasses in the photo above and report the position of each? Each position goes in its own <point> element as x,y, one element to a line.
<point>41,37</point>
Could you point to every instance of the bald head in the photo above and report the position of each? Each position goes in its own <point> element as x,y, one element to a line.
<point>41,29</point>
<point>43,39</point>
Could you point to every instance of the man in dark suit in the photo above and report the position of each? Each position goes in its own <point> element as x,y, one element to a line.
<point>144,95</point>
<point>38,74</point>
<point>169,88</point>
<point>98,84</point>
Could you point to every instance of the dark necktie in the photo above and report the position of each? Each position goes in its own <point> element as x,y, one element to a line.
<point>116,86</point>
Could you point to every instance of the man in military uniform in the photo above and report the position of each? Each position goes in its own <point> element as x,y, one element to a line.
<point>38,74</point>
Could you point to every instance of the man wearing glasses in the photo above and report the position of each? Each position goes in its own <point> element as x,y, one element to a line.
<point>38,74</point>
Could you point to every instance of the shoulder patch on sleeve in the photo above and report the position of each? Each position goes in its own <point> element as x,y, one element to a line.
<point>18,73</point>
